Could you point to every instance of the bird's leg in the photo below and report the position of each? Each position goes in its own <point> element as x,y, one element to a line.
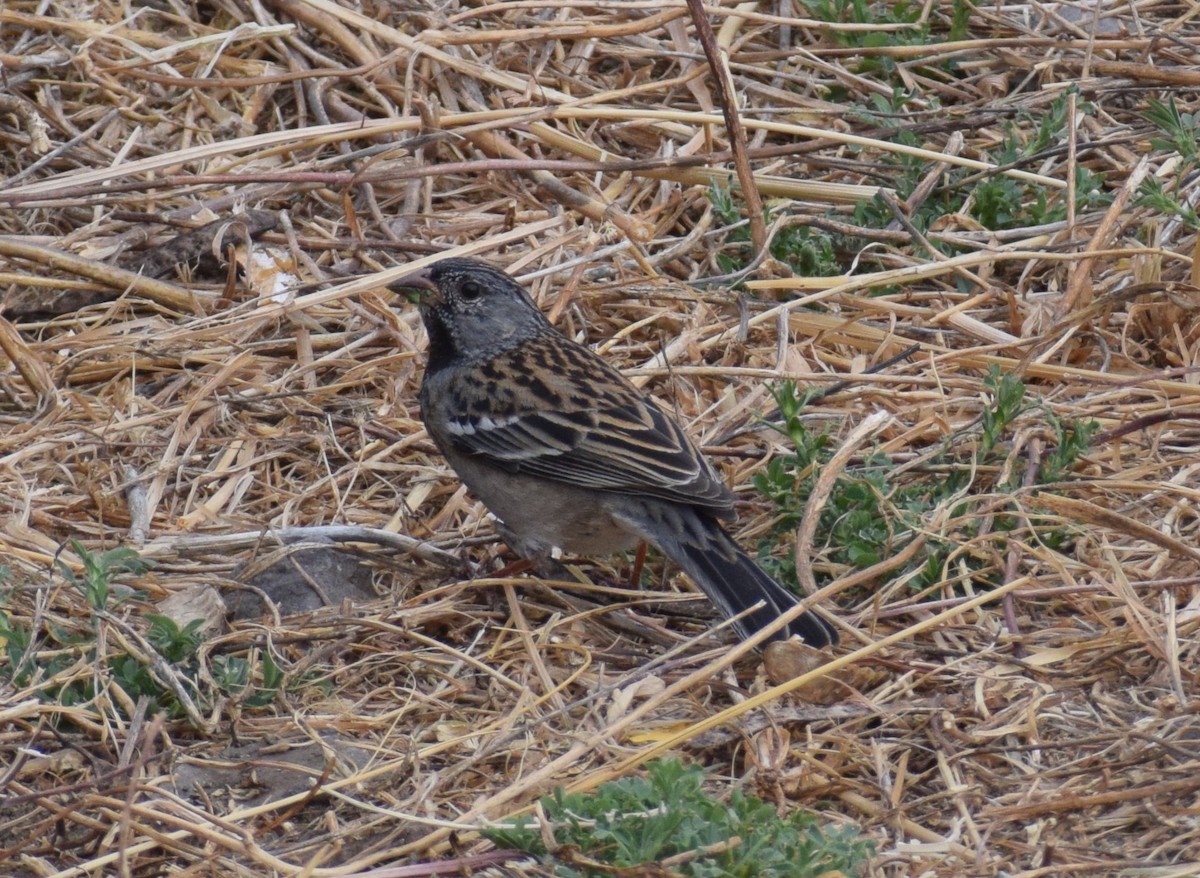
<point>534,556</point>
<point>514,567</point>
<point>639,564</point>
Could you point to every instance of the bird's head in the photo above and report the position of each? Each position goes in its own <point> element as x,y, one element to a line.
<point>471,309</point>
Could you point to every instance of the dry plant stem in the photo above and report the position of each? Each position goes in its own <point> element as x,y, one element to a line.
<point>382,279</point>
<point>171,827</point>
<point>733,122</point>
<point>1050,372</point>
<point>29,363</point>
<point>482,72</point>
<point>492,143</point>
<point>549,690</point>
<point>1145,623</point>
<point>1033,461</point>
<point>1065,803</point>
<point>921,50</point>
<point>537,782</point>
<point>62,148</point>
<point>288,139</point>
<point>589,31</point>
<point>1079,292</point>
<point>924,189</point>
<point>139,511</point>
<point>900,214</point>
<point>868,806</point>
<point>147,737</point>
<point>964,322</point>
<point>674,741</point>
<point>1083,511</point>
<point>492,861</point>
<point>829,475</point>
<point>1172,646</point>
<point>183,545</point>
<point>1072,161</point>
<point>165,294</point>
<point>32,124</point>
<point>793,130</point>
<point>1186,77</point>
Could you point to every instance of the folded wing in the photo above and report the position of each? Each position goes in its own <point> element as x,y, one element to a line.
<point>632,448</point>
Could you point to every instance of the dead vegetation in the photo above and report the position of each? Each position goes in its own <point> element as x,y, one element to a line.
<point>1029,711</point>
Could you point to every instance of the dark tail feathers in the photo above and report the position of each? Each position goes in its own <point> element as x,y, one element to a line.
<point>734,583</point>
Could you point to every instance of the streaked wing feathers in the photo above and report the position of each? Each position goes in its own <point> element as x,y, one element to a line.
<point>630,446</point>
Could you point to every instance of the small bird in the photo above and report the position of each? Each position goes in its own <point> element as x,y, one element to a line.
<point>566,452</point>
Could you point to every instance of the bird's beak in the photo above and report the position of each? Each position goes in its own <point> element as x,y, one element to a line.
<point>418,287</point>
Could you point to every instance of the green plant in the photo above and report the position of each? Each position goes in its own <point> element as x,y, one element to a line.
<point>960,19</point>
<point>809,253</point>
<point>997,201</point>
<point>639,822</point>
<point>173,643</point>
<point>36,658</point>
<point>1072,440</point>
<point>869,513</point>
<point>1002,202</point>
<point>100,569</point>
<point>1089,189</point>
<point>136,680</point>
<point>1180,132</point>
<point>20,666</point>
<point>913,29</point>
<point>854,518</point>
<point>233,677</point>
<point>15,640</point>
<point>1008,401</point>
<point>1152,194</point>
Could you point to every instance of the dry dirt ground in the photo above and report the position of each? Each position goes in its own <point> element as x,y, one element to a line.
<point>995,494</point>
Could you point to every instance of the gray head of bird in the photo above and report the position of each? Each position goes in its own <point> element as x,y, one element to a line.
<point>471,309</point>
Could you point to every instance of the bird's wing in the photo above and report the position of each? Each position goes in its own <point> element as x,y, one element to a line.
<point>632,451</point>
<point>588,427</point>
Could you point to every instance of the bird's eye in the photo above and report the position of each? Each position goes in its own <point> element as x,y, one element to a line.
<point>471,290</point>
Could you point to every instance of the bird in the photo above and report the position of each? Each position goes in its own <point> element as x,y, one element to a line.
<point>566,452</point>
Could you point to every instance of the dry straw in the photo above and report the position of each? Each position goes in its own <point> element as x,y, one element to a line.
<point>1032,712</point>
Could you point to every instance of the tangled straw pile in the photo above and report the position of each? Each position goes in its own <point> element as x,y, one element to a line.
<point>1030,710</point>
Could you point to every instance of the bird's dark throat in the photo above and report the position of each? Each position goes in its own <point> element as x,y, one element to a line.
<point>442,349</point>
